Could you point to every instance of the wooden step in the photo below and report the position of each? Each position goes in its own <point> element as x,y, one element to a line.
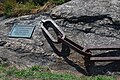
<point>104,58</point>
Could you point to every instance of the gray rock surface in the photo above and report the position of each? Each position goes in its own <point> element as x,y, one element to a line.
<point>89,7</point>
<point>37,51</point>
<point>23,52</point>
<point>92,32</point>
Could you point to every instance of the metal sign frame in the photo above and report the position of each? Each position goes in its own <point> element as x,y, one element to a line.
<point>22,31</point>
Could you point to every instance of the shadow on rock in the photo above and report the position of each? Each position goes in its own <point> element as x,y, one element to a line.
<point>85,19</point>
<point>115,25</point>
<point>102,68</point>
<point>65,52</point>
<point>93,69</point>
<point>109,69</point>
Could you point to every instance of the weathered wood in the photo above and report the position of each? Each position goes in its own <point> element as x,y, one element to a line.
<point>104,58</point>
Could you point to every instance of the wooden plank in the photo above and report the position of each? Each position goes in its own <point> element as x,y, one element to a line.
<point>104,58</point>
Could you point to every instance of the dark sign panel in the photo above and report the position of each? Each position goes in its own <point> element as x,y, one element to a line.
<point>22,31</point>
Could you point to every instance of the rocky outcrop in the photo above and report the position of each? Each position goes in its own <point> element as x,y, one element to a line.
<point>89,21</point>
<point>95,31</point>
<point>89,7</point>
<point>92,30</point>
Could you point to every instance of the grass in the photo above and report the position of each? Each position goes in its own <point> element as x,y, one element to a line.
<point>12,8</point>
<point>42,73</point>
<point>34,72</point>
<point>1,9</point>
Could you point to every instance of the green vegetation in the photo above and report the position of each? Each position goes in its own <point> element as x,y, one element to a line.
<point>35,72</point>
<point>23,7</point>
<point>58,1</point>
<point>11,8</point>
<point>102,78</point>
<point>42,73</point>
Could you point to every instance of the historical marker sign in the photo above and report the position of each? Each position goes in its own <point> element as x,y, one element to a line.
<point>22,31</point>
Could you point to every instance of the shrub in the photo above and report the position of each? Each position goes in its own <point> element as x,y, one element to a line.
<point>12,8</point>
<point>1,6</point>
<point>22,1</point>
<point>40,2</point>
<point>58,1</point>
<point>22,7</point>
<point>9,6</point>
<point>36,2</point>
<point>1,9</point>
